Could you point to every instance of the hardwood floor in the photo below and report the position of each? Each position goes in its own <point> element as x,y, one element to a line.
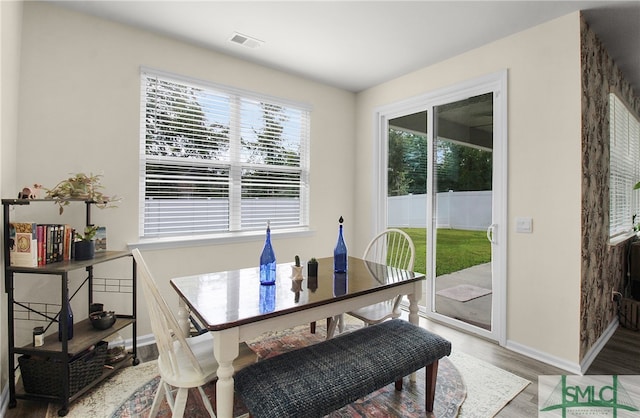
<point>621,355</point>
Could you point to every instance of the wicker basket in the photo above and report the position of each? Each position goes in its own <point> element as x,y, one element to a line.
<point>44,377</point>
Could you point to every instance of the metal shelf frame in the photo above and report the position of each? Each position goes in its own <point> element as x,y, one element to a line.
<point>84,334</point>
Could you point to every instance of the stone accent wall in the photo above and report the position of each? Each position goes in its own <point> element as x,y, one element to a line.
<point>603,266</point>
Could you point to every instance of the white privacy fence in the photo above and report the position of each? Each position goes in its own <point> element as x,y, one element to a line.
<point>456,210</point>
<point>166,217</point>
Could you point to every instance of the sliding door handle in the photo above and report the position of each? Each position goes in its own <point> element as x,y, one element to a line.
<point>491,233</point>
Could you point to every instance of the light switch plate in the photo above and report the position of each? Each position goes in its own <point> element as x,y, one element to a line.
<point>524,225</point>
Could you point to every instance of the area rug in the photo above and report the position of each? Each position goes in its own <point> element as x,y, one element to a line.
<point>463,292</point>
<point>386,402</point>
<point>488,388</point>
<point>103,398</point>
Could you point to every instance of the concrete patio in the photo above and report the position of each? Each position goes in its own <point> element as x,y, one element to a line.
<point>476,311</point>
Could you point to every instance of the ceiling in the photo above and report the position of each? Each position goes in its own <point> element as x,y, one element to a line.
<point>355,45</point>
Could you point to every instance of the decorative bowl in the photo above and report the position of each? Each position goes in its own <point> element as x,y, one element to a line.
<point>102,319</point>
<point>96,307</point>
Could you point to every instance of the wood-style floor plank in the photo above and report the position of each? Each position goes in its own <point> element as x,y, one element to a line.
<point>621,355</point>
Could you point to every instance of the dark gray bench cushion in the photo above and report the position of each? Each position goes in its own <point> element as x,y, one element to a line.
<point>316,380</point>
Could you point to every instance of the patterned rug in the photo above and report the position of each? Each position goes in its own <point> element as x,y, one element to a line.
<point>386,402</point>
<point>487,388</point>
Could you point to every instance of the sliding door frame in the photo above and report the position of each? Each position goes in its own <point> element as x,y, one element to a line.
<point>496,83</point>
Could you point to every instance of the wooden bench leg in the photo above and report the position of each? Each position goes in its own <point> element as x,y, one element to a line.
<point>432,375</point>
<point>430,389</point>
<point>399,384</point>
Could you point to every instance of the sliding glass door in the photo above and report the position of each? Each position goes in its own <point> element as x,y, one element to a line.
<point>445,181</point>
<point>462,179</point>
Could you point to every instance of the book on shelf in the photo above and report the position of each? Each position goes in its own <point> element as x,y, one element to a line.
<point>68,240</point>
<point>58,238</point>
<point>52,243</point>
<point>23,244</point>
<point>48,244</point>
<point>41,245</point>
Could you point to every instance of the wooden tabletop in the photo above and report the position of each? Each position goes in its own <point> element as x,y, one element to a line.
<point>231,298</point>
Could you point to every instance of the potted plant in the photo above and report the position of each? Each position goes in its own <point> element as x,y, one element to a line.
<point>85,244</point>
<point>80,186</point>
<point>296,271</point>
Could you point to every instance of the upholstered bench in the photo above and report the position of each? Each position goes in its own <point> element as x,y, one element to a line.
<point>316,380</point>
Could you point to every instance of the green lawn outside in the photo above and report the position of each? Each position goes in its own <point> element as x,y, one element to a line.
<point>456,249</point>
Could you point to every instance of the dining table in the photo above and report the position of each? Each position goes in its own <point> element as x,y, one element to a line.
<point>236,308</point>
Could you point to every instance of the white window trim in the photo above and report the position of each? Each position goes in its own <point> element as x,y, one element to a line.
<point>230,236</point>
<point>218,239</point>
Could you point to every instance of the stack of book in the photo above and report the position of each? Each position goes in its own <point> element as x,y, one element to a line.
<point>33,245</point>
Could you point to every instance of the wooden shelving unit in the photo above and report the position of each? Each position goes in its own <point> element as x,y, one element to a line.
<point>84,334</point>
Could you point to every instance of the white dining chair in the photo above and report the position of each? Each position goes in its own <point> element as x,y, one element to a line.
<point>183,362</point>
<point>392,247</point>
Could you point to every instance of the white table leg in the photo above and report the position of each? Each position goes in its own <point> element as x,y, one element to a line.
<point>413,311</point>
<point>183,317</point>
<point>225,350</point>
<point>413,303</point>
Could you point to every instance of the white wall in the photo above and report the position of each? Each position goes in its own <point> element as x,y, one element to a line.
<point>11,20</point>
<point>80,111</point>
<point>544,147</point>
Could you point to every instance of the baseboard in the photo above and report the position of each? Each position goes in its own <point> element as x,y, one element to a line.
<point>143,340</point>
<point>4,401</point>
<point>571,367</point>
<point>598,346</point>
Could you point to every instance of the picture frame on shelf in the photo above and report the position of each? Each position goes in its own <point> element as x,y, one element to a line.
<point>101,239</point>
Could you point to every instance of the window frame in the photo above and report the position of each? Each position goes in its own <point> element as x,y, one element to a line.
<point>234,230</point>
<point>624,169</point>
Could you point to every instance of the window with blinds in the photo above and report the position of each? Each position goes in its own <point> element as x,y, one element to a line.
<point>216,159</point>
<point>624,153</point>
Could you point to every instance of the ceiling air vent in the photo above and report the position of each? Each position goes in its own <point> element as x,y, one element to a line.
<point>245,40</point>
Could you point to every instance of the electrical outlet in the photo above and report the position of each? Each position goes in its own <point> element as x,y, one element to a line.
<point>615,296</point>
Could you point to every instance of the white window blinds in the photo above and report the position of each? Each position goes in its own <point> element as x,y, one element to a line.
<point>624,152</point>
<point>216,159</point>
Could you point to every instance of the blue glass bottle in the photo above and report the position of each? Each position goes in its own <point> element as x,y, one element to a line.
<point>69,322</point>
<point>268,262</point>
<point>340,253</point>
<point>267,299</point>
<point>340,284</point>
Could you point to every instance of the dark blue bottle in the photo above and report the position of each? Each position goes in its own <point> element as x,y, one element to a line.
<point>268,262</point>
<point>340,253</point>
<point>69,322</point>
